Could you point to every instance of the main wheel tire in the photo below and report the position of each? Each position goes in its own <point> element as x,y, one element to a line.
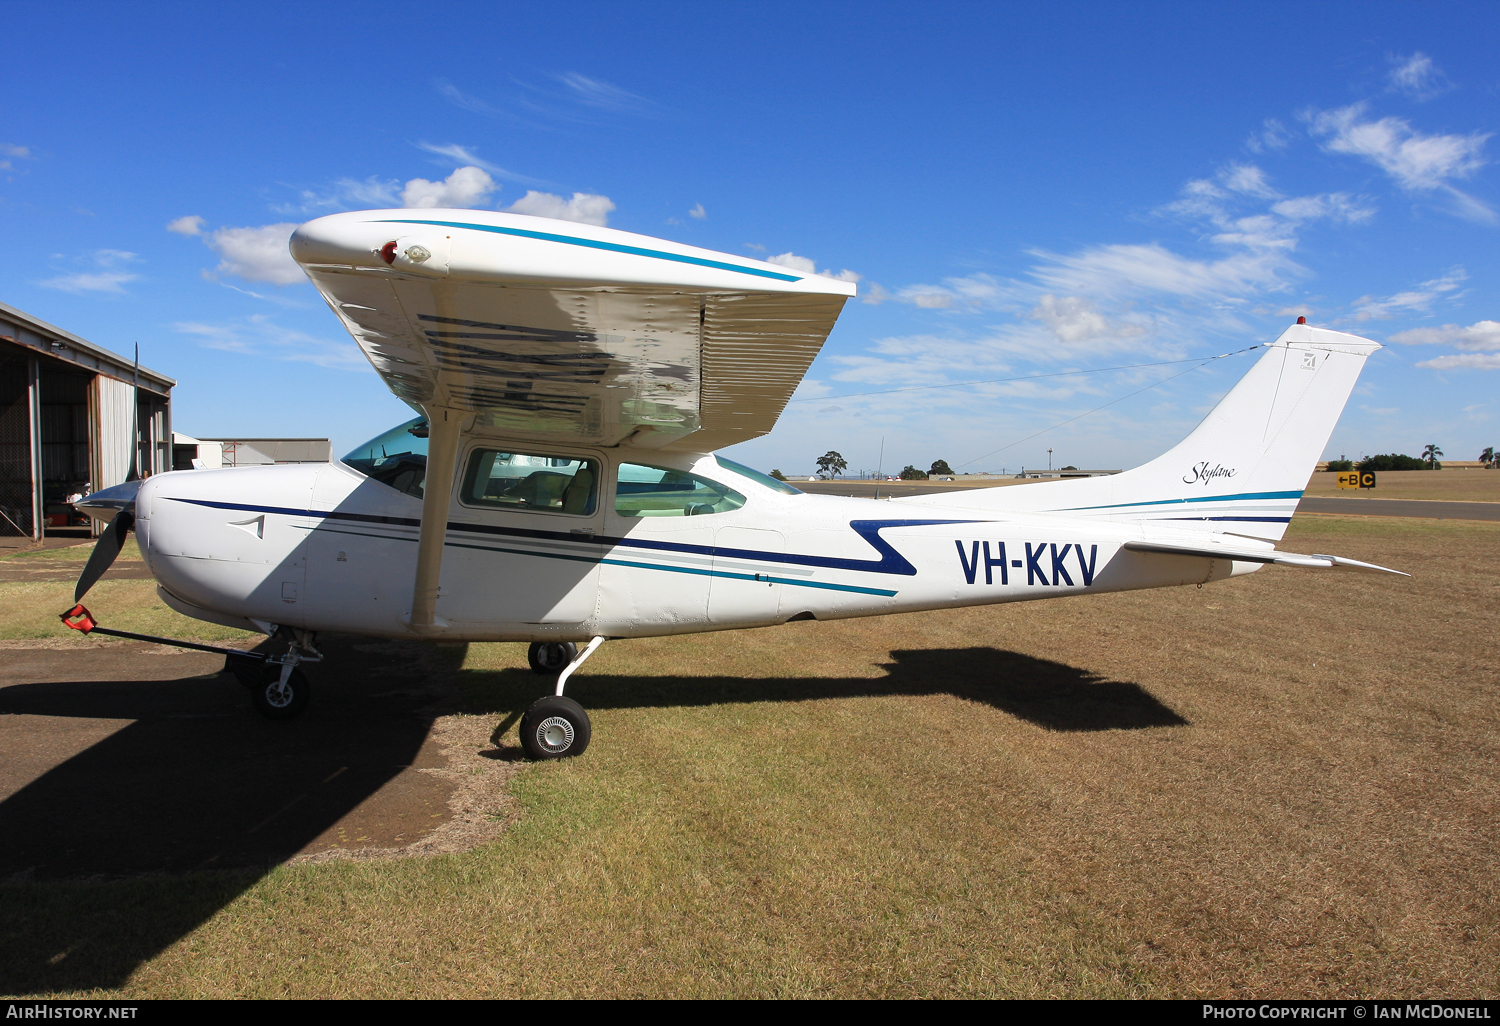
<point>277,702</point>
<point>549,658</point>
<point>555,728</point>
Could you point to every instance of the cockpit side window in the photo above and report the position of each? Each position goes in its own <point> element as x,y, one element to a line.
<point>531,483</point>
<point>397,458</point>
<point>645,491</point>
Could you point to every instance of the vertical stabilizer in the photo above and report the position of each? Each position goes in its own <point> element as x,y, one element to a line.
<point>1242,470</point>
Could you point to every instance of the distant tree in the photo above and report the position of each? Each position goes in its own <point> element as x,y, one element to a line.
<point>941,467</point>
<point>1393,461</point>
<point>1488,456</point>
<point>911,473</point>
<point>831,465</point>
<point>777,475</point>
<point>1431,454</point>
<point>1340,466</point>
<point>1069,468</point>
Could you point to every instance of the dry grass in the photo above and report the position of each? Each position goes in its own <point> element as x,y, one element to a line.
<point>29,608</point>
<point>1282,785</point>
<point>1453,485</point>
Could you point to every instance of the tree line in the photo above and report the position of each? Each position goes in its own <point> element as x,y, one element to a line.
<point>831,465</point>
<point>1429,460</point>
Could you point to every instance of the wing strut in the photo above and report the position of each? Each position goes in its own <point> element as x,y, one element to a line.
<point>444,431</point>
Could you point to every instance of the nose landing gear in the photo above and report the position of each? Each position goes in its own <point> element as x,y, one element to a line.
<point>555,727</point>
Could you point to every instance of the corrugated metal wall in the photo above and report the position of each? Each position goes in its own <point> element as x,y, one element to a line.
<point>15,451</point>
<point>110,403</point>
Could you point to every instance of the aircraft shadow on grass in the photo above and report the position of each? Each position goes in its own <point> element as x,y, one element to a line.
<point>128,846</point>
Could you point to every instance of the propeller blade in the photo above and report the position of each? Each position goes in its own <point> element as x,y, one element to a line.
<point>105,550</point>
<point>106,503</point>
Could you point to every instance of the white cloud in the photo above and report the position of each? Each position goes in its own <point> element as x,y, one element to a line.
<point>970,291</point>
<point>465,187</point>
<point>1247,179</point>
<point>1417,162</point>
<point>1116,271</point>
<point>258,335</point>
<point>8,150</point>
<point>698,212</point>
<point>1421,298</point>
<point>256,254</point>
<point>371,192</point>
<point>1417,76</point>
<point>107,279</point>
<point>585,208</point>
<point>795,262</point>
<point>1480,337</point>
<point>461,99</point>
<point>1336,206</point>
<point>1076,319</point>
<point>1414,160</point>
<point>464,155</point>
<point>593,92</point>
<point>190,225</point>
<point>347,193</point>
<point>1273,135</point>
<point>804,265</point>
<point>1468,361</point>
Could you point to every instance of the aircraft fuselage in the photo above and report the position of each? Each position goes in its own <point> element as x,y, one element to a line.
<point>325,548</point>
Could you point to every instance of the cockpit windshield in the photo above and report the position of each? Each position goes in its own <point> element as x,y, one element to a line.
<point>397,458</point>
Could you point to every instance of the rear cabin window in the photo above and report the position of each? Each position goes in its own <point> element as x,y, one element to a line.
<point>644,491</point>
<point>531,483</point>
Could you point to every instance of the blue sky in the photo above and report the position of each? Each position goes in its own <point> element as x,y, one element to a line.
<point>1021,189</point>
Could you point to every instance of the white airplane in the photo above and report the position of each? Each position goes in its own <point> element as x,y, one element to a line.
<point>560,484</point>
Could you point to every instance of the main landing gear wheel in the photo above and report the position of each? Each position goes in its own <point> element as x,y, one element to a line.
<point>549,658</point>
<point>277,701</point>
<point>555,728</point>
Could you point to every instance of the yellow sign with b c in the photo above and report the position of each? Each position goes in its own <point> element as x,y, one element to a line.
<point>1357,479</point>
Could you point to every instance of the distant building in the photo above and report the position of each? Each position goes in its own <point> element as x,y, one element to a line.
<point>66,422</point>
<point>255,452</point>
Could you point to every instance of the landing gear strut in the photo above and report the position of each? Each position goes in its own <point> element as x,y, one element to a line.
<point>555,727</point>
<point>278,689</point>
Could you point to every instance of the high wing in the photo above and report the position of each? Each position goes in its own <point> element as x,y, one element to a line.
<point>553,330</point>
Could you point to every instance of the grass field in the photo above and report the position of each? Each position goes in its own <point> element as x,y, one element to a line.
<point>1452,485</point>
<point>29,608</point>
<point>1282,785</point>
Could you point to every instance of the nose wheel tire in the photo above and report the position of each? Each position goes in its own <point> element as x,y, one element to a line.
<point>549,658</point>
<point>555,728</point>
<point>277,701</point>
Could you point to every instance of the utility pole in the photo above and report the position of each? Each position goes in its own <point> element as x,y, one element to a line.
<point>1049,459</point>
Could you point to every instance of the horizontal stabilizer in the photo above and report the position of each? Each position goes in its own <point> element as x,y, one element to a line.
<point>1247,554</point>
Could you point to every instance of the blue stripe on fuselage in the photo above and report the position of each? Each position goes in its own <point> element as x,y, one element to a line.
<point>890,561</point>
